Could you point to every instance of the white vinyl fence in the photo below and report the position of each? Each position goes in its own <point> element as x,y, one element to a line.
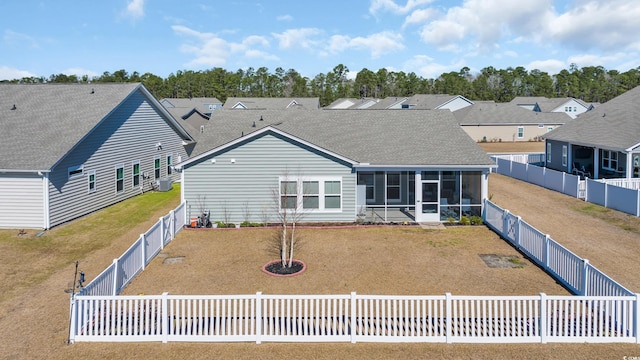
<point>618,194</point>
<point>575,273</point>
<point>123,269</point>
<point>355,318</point>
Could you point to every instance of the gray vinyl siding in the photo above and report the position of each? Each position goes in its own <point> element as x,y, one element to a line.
<point>21,201</point>
<point>556,155</point>
<point>250,181</point>
<point>130,134</point>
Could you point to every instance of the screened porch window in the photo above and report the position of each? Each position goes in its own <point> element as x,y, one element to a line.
<point>393,186</point>
<point>369,180</point>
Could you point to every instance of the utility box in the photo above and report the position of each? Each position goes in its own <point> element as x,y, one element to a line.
<point>164,184</point>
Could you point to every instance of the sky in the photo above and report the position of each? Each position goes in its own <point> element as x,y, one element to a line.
<point>427,37</point>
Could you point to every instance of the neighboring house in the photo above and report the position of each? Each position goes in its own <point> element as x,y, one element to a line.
<point>489,121</point>
<point>417,102</point>
<point>247,103</point>
<point>602,143</point>
<point>68,150</point>
<point>194,111</point>
<point>336,166</point>
<point>570,106</point>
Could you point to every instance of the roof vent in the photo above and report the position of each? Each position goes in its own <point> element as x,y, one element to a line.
<point>603,114</point>
<point>13,107</point>
<point>261,118</point>
<point>92,91</point>
<point>201,128</point>
<point>254,124</point>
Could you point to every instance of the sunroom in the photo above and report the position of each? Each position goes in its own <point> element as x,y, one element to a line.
<point>420,195</point>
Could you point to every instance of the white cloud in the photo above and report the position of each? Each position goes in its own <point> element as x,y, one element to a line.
<point>583,60</point>
<point>378,44</point>
<point>427,68</point>
<point>391,6</point>
<point>286,17</point>
<point>551,66</point>
<point>135,9</point>
<point>420,16</point>
<point>305,38</point>
<point>208,49</point>
<point>7,73</point>
<point>16,38</point>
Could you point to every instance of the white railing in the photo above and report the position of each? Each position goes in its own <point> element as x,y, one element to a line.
<point>633,184</point>
<point>575,273</point>
<point>355,318</point>
<point>123,269</point>
<point>525,158</point>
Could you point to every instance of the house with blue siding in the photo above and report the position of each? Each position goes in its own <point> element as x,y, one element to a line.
<point>335,166</point>
<point>68,150</point>
<point>601,143</point>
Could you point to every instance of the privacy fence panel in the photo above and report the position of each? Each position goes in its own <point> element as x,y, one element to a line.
<point>519,170</point>
<point>622,199</point>
<point>596,192</point>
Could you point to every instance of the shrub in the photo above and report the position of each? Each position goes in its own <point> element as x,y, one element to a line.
<point>451,221</point>
<point>464,220</point>
<point>476,220</point>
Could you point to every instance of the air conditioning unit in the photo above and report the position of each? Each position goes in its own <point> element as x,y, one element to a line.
<point>164,184</point>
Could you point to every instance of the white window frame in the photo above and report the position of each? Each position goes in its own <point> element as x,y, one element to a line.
<point>133,174</point>
<point>75,171</point>
<point>398,186</point>
<point>119,166</point>
<point>520,133</point>
<point>157,170</point>
<point>607,156</point>
<point>564,155</point>
<point>91,173</point>
<point>300,193</point>
<point>169,159</point>
<point>548,152</point>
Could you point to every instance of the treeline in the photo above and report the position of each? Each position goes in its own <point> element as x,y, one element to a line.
<point>591,84</point>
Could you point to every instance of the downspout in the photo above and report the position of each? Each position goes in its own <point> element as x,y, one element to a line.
<point>46,221</point>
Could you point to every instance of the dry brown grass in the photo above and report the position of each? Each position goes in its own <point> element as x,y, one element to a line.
<point>512,147</point>
<point>368,260</point>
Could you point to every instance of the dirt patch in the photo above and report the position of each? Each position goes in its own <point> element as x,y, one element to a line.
<point>173,260</point>
<point>502,261</point>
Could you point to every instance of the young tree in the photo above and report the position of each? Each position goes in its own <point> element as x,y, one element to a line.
<point>289,207</point>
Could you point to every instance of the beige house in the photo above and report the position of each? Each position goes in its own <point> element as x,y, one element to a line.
<point>493,122</point>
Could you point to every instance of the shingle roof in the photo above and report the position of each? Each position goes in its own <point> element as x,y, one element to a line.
<point>377,137</point>
<point>255,103</point>
<point>192,103</point>
<point>490,113</point>
<point>546,104</point>
<point>612,125</point>
<point>430,101</point>
<point>50,119</point>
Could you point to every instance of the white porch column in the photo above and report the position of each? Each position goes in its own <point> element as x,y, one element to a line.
<point>484,185</point>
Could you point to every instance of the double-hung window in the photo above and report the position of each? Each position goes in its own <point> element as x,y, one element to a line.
<point>91,180</point>
<point>548,152</point>
<point>609,159</point>
<point>564,155</point>
<point>169,164</point>
<point>156,168</point>
<point>119,178</point>
<point>311,194</point>
<point>520,132</point>
<point>135,173</point>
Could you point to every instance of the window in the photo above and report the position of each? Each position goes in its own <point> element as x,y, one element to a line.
<point>564,155</point>
<point>520,132</point>
<point>119,178</point>
<point>549,128</point>
<point>156,168</point>
<point>169,164</point>
<point>540,126</point>
<point>393,186</point>
<point>310,195</point>
<point>548,152</point>
<point>135,171</point>
<point>369,180</point>
<point>288,194</point>
<point>75,171</point>
<point>91,179</point>
<point>609,160</point>
<point>313,194</point>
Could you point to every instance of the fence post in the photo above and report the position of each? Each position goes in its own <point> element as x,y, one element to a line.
<point>543,318</point>
<point>165,317</point>
<point>547,238</point>
<point>585,280</point>
<point>143,244</point>
<point>258,317</point>
<point>638,202</point>
<point>162,230</point>
<point>606,195</point>
<point>173,225</point>
<point>636,318</point>
<point>354,324</point>
<point>73,319</point>
<point>115,277</point>
<point>505,224</point>
<point>447,305</point>
<point>517,234</point>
